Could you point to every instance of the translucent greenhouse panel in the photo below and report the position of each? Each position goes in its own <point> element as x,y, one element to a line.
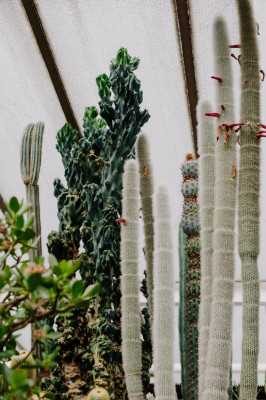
<point>27,95</point>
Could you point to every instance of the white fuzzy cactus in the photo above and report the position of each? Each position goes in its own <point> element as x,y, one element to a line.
<point>220,334</point>
<point>206,202</point>
<point>146,191</point>
<point>163,327</point>
<point>248,199</point>
<point>131,324</point>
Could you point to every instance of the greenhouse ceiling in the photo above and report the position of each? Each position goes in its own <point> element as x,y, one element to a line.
<point>52,51</point>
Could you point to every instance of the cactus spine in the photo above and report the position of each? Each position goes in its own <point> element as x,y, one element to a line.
<point>220,334</point>
<point>31,154</point>
<point>191,277</point>
<point>130,307</point>
<point>206,203</point>
<point>163,328</point>
<point>248,199</point>
<point>146,191</point>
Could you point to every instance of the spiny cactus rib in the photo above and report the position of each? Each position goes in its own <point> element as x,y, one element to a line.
<point>191,279</point>
<point>248,199</point>
<point>163,327</point>
<point>206,203</point>
<point>146,192</point>
<point>131,343</point>
<point>220,333</point>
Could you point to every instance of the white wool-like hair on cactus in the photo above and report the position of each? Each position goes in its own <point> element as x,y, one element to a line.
<point>131,324</point>
<point>163,324</point>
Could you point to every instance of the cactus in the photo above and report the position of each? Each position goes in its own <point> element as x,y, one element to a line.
<point>220,331</point>
<point>206,203</point>
<point>31,154</point>
<point>182,238</point>
<point>191,279</point>
<point>87,211</point>
<point>248,199</point>
<point>131,342</point>
<point>163,328</point>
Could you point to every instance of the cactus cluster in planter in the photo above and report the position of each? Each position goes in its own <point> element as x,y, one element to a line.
<point>89,209</point>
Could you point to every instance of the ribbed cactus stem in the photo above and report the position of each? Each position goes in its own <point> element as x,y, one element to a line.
<point>163,328</point>
<point>146,192</point>
<point>182,238</point>
<point>248,199</point>
<point>220,334</point>
<point>191,278</point>
<point>31,154</point>
<point>131,327</point>
<point>206,203</point>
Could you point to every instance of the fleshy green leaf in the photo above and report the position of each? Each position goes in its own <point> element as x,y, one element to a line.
<point>14,204</point>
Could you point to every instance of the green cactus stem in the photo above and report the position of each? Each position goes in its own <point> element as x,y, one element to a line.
<point>220,332</point>
<point>130,307</point>
<point>248,200</point>
<point>182,238</point>
<point>191,277</point>
<point>31,153</point>
<point>206,203</point>
<point>163,328</point>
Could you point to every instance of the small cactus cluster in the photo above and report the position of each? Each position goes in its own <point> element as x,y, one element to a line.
<point>89,210</point>
<point>190,279</point>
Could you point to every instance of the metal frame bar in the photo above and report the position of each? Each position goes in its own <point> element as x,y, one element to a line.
<point>186,51</point>
<point>47,55</point>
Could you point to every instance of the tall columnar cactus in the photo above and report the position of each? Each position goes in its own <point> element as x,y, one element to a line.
<point>206,203</point>
<point>146,190</point>
<point>31,154</point>
<point>248,199</point>
<point>88,209</point>
<point>220,333</point>
<point>131,342</point>
<point>163,327</point>
<point>191,277</point>
<point>182,238</point>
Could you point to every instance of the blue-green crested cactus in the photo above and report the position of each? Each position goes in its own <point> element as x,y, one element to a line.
<point>248,199</point>
<point>88,209</point>
<point>220,331</point>
<point>191,280</point>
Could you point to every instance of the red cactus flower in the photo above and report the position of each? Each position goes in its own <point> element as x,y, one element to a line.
<point>217,78</point>
<point>217,115</point>
<point>122,220</point>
